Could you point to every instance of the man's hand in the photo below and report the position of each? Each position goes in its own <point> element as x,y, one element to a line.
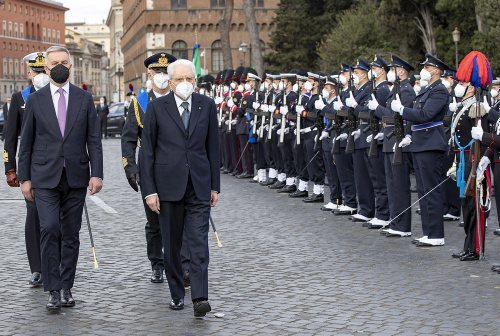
<point>319,104</point>
<point>486,105</point>
<point>337,105</point>
<point>134,180</point>
<point>396,105</point>
<point>153,203</point>
<point>28,191</point>
<point>95,185</point>
<point>351,101</point>
<point>356,134</point>
<point>284,109</point>
<point>213,200</point>
<point>373,103</point>
<point>477,132</point>
<point>299,109</point>
<point>12,178</point>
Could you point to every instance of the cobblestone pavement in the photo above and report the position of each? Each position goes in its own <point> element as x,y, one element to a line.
<point>285,268</point>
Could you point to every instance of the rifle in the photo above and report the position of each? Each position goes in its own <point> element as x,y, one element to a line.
<point>475,149</point>
<point>227,109</point>
<point>337,125</point>
<point>374,123</point>
<point>263,119</point>
<point>281,141</point>
<point>399,130</point>
<point>218,106</point>
<point>298,119</point>
<point>352,123</point>
<point>319,119</point>
<point>254,112</point>
<point>448,119</point>
<point>271,118</point>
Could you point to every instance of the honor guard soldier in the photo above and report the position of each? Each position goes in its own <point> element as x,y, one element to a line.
<point>232,102</point>
<point>428,146</point>
<point>131,137</point>
<point>221,102</point>
<point>36,63</point>
<point>268,150</point>
<point>397,175</point>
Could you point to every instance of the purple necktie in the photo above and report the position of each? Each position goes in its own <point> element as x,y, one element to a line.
<point>61,111</point>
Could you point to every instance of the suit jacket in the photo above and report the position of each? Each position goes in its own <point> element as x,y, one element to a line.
<point>5,112</point>
<point>44,151</point>
<point>102,112</point>
<point>169,153</point>
<point>12,128</point>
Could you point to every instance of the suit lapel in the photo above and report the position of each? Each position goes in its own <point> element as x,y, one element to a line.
<point>195,112</point>
<point>173,111</point>
<point>75,97</point>
<point>48,111</point>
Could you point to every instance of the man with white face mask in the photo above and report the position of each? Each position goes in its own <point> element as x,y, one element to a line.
<point>179,162</point>
<point>428,146</point>
<point>36,62</point>
<point>131,137</point>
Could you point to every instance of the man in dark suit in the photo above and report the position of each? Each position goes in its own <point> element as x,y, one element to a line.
<point>102,113</point>
<point>36,63</point>
<point>6,107</point>
<point>179,163</point>
<point>60,136</point>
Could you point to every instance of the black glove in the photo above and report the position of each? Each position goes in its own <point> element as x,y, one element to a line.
<point>134,180</point>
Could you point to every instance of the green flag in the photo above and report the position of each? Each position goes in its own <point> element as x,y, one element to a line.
<point>196,60</point>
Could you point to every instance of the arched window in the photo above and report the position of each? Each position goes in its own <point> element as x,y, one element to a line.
<point>217,62</point>
<point>179,49</point>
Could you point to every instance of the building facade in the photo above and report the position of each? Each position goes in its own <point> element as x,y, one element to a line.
<point>90,64</point>
<point>115,24</point>
<point>27,26</point>
<point>151,26</point>
<point>98,33</point>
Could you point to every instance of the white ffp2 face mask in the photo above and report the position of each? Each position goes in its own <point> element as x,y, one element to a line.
<point>233,86</point>
<point>355,79</point>
<point>425,75</point>
<point>417,89</point>
<point>248,87</point>
<point>423,83</point>
<point>308,86</point>
<point>40,80</point>
<point>281,85</point>
<point>295,87</point>
<point>161,80</point>
<point>494,93</point>
<point>446,84</point>
<point>325,94</point>
<point>460,91</point>
<point>391,77</point>
<point>240,88</point>
<point>184,90</point>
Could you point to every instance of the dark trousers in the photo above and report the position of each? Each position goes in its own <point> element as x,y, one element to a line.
<point>315,170</point>
<point>32,236</point>
<point>228,163</point>
<point>259,155</point>
<point>452,202</point>
<point>299,161</point>
<point>221,149</point>
<point>268,152</point>
<point>246,154</point>
<point>333,178</point>
<point>287,155</point>
<point>376,170</point>
<point>398,190</point>
<point>60,212</point>
<point>232,139</point>
<point>345,171</point>
<point>428,173</point>
<point>103,121</point>
<point>496,178</point>
<point>192,215</point>
<point>364,186</point>
<point>277,157</point>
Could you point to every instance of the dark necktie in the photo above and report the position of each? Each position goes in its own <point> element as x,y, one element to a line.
<point>185,115</point>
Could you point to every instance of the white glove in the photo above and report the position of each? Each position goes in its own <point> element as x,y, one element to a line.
<point>230,103</point>
<point>251,122</point>
<point>266,127</point>
<point>337,105</point>
<point>221,119</point>
<point>396,105</point>
<point>452,172</point>
<point>453,105</point>
<point>350,101</point>
<point>227,122</point>
<point>284,109</point>
<point>341,137</point>
<point>302,131</point>
<point>486,105</point>
<point>482,165</point>
<point>373,103</point>
<point>295,132</point>
<point>265,108</point>
<point>379,136</point>
<point>272,108</point>
<point>369,138</point>
<point>405,142</point>
<point>258,130</point>
<point>356,134</point>
<point>299,109</point>
<point>319,105</point>
<point>477,132</point>
<point>278,132</point>
<point>234,121</point>
<point>287,130</point>
<point>324,135</point>
<point>449,142</point>
<point>255,105</point>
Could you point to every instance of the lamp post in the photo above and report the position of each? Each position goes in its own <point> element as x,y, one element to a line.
<point>243,47</point>
<point>119,73</point>
<point>456,39</point>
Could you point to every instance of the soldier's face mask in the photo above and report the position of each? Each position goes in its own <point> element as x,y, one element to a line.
<point>494,93</point>
<point>161,80</point>
<point>40,80</point>
<point>460,90</point>
<point>248,87</point>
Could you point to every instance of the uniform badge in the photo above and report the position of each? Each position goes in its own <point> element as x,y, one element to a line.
<point>5,157</point>
<point>124,161</point>
<point>235,100</point>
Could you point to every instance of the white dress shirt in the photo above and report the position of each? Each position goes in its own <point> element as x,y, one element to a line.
<point>55,96</point>
<point>158,95</point>
<point>179,102</point>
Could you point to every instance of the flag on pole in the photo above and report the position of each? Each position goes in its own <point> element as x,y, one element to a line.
<point>196,60</point>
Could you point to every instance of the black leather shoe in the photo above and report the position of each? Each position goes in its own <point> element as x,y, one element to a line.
<point>176,304</point>
<point>234,173</point>
<point>268,182</point>
<point>299,194</point>
<point>185,276</point>
<point>36,279</point>
<point>225,171</point>
<point>497,232</point>
<point>314,198</point>
<point>67,298</point>
<point>201,308</point>
<point>287,189</point>
<point>459,254</point>
<point>469,257</point>
<point>54,301</point>
<point>277,185</point>
<point>157,276</point>
<point>495,268</point>
<point>253,181</point>
<point>244,176</point>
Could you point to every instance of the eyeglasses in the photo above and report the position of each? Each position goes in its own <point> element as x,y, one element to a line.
<point>181,79</point>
